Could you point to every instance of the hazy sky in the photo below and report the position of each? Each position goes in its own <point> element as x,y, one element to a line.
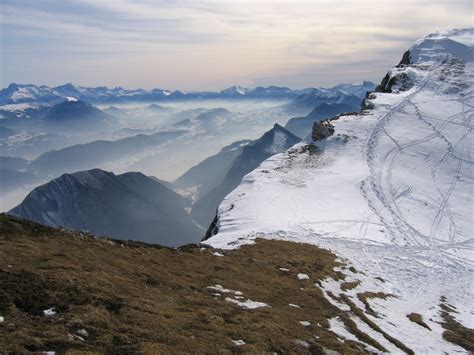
<point>194,45</point>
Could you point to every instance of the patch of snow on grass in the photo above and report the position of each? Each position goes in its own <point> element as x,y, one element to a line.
<point>338,327</point>
<point>49,312</point>
<point>249,304</point>
<point>302,276</point>
<point>219,288</point>
<point>302,343</point>
<point>239,342</point>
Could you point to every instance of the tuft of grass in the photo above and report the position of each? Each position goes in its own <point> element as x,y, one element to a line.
<point>365,296</point>
<point>418,319</point>
<point>359,313</point>
<point>455,332</point>
<point>352,327</point>
<point>345,286</point>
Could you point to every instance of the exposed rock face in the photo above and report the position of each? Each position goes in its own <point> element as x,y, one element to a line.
<point>322,130</point>
<point>127,206</point>
<point>212,230</point>
<point>405,59</point>
<point>391,78</point>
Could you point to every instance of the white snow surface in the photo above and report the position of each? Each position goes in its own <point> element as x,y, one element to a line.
<point>239,342</point>
<point>337,326</point>
<point>391,193</point>
<point>248,304</point>
<point>301,276</point>
<point>49,312</point>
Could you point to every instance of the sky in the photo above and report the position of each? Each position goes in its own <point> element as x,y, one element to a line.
<point>210,45</point>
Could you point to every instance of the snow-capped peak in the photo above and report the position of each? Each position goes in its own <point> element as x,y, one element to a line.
<point>390,192</point>
<point>234,90</point>
<point>438,45</point>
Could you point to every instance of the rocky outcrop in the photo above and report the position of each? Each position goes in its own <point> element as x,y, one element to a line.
<point>405,60</point>
<point>391,79</point>
<point>322,130</point>
<point>212,230</point>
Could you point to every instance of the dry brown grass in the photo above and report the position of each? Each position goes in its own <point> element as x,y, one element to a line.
<point>359,313</point>
<point>345,286</point>
<point>365,296</point>
<point>455,332</point>
<point>418,319</point>
<point>136,298</point>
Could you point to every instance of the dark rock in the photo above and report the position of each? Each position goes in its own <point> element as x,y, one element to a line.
<point>405,60</point>
<point>322,130</point>
<point>212,230</point>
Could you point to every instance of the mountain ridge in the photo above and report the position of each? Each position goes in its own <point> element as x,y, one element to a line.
<point>274,141</point>
<point>25,93</point>
<point>387,189</point>
<point>129,205</point>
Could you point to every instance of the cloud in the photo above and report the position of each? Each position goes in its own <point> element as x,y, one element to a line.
<point>210,44</point>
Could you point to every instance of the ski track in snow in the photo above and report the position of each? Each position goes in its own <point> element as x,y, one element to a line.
<point>394,199</point>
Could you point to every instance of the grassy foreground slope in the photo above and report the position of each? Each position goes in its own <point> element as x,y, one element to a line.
<point>109,296</point>
<point>119,297</point>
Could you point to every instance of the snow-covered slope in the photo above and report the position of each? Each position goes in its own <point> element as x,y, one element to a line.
<point>391,192</point>
<point>274,141</point>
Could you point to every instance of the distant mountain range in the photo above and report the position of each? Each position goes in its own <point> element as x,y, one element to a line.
<point>133,205</point>
<point>75,115</point>
<point>208,174</point>
<point>128,206</point>
<point>17,172</point>
<point>63,115</point>
<point>208,120</point>
<point>343,94</point>
<point>93,154</point>
<point>301,126</point>
<point>29,93</point>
